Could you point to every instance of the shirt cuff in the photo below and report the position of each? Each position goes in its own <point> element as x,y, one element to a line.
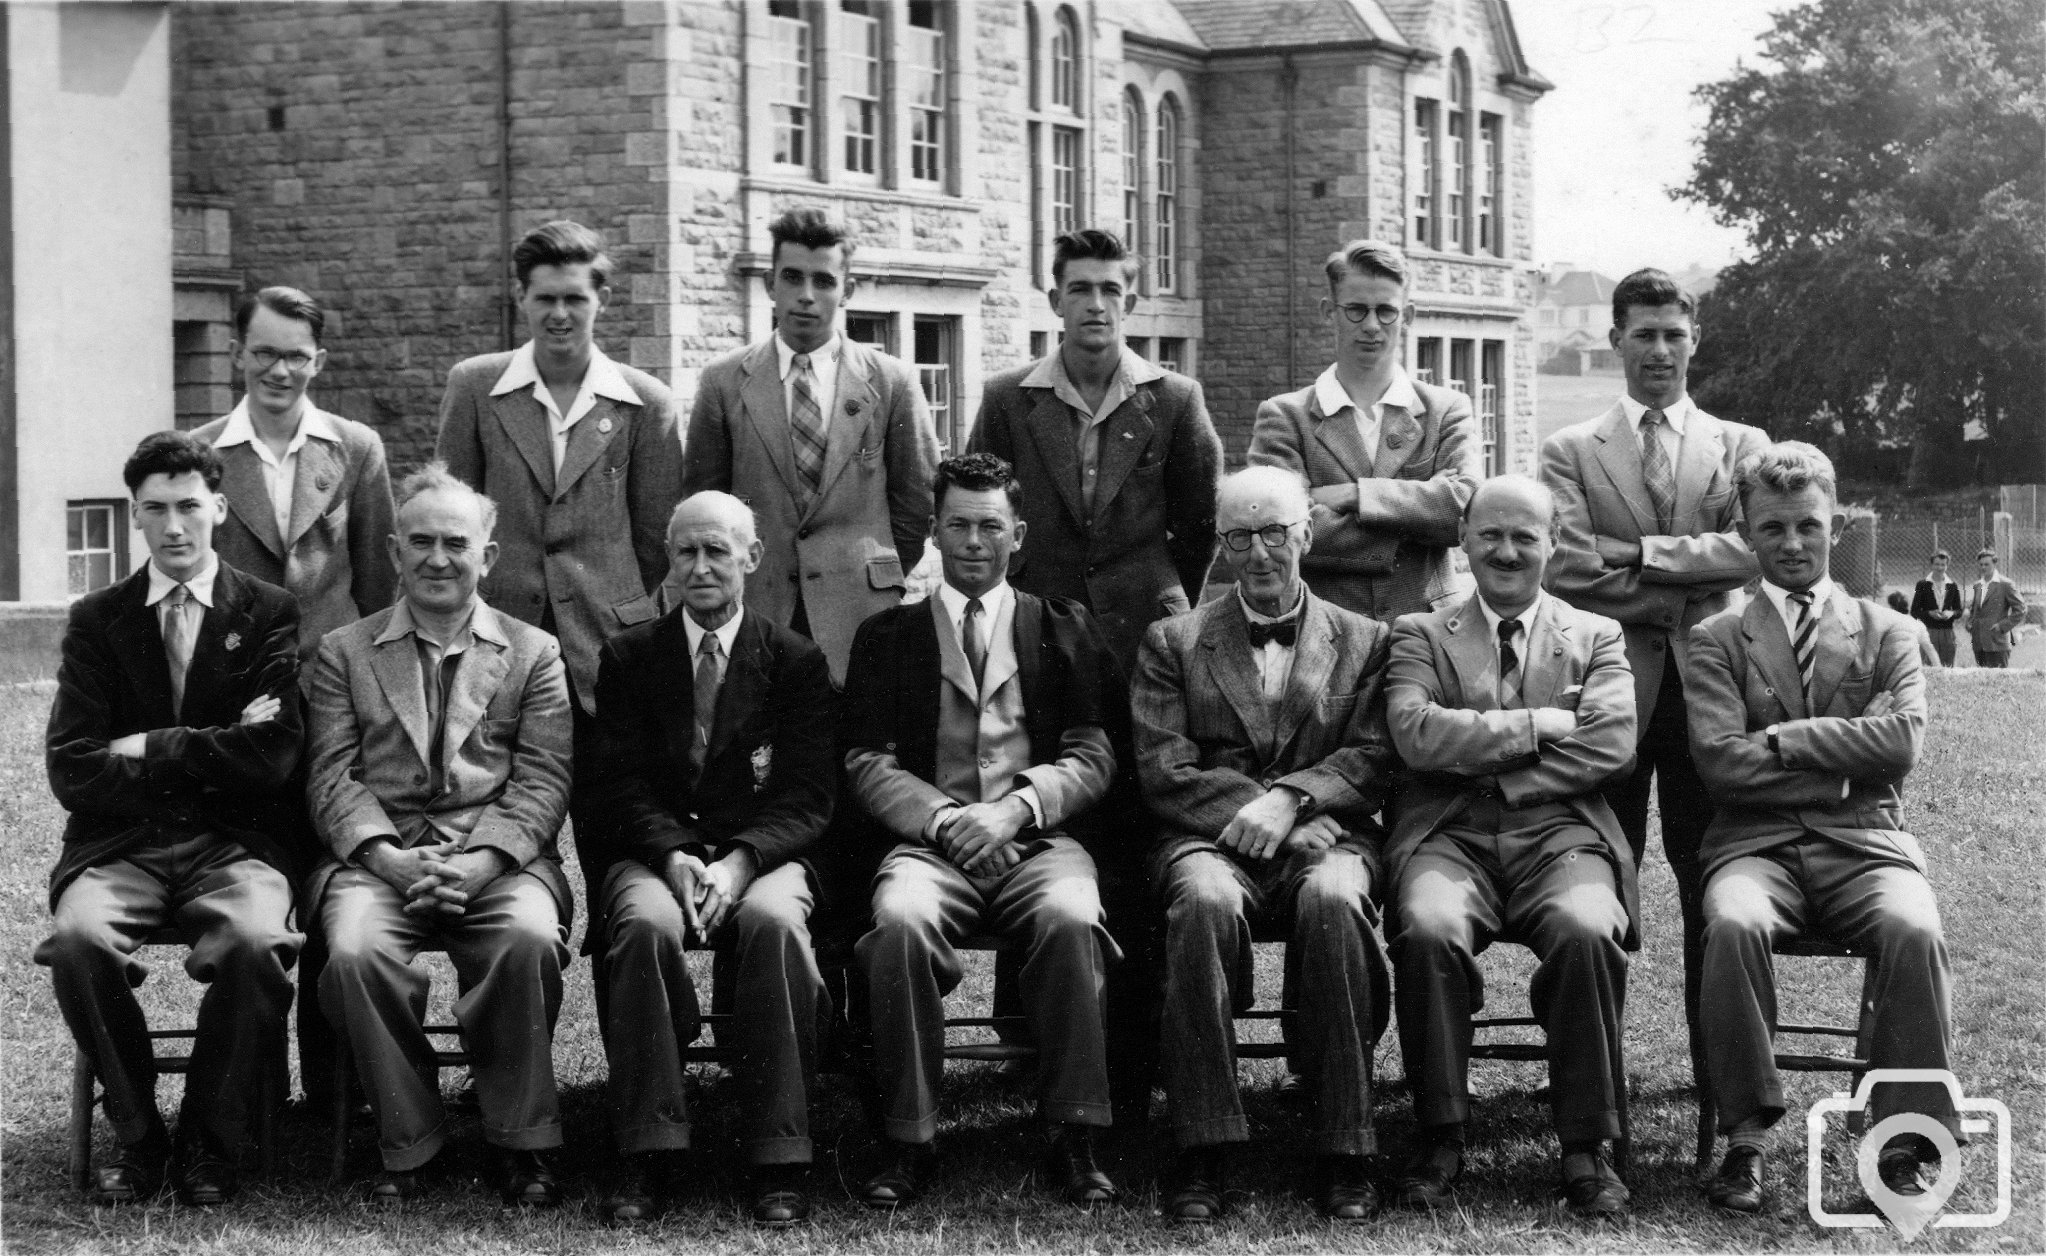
<point>937,822</point>
<point>1029,795</point>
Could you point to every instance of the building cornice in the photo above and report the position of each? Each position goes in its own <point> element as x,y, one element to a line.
<point>882,268</point>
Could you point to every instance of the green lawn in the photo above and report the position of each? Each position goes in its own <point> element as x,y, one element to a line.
<point>1975,802</point>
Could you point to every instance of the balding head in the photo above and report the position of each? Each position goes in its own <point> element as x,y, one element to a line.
<point>1265,512</point>
<point>1508,532</point>
<point>1256,496</point>
<point>712,506</point>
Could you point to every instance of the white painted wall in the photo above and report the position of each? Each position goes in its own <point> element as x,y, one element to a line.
<point>89,95</point>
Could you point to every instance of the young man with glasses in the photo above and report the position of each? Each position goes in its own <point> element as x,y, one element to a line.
<point>308,492</point>
<point>1390,461</point>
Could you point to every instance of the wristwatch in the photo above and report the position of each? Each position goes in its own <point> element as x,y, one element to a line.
<point>1774,748</point>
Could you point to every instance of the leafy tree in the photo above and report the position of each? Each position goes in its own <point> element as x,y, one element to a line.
<point>1886,162</point>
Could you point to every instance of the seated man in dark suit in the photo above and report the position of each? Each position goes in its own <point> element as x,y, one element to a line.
<point>1807,710</point>
<point>1510,711</point>
<point>1260,738</point>
<point>172,742</point>
<point>979,732</point>
<point>711,777</point>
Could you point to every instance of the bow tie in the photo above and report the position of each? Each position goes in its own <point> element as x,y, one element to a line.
<point>1284,632</point>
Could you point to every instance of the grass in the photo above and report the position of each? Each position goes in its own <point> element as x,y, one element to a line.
<point>1975,801</point>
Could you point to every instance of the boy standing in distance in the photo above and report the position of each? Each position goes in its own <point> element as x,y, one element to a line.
<point>1994,608</point>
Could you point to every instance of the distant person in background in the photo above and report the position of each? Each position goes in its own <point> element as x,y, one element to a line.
<point>1936,603</point>
<point>1926,653</point>
<point>1994,608</point>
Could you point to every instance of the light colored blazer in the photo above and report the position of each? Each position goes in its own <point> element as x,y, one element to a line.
<point>1740,677</point>
<point>1990,624</point>
<point>334,560</point>
<point>1391,557</point>
<point>505,747</point>
<point>1441,704</point>
<point>1594,468</point>
<point>1207,742</point>
<point>591,542</point>
<point>851,547</point>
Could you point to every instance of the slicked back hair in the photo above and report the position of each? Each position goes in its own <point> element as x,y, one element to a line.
<point>1092,244</point>
<point>809,227</point>
<point>563,242</point>
<point>1366,257</point>
<point>435,477</point>
<point>977,473</point>
<point>1654,289</point>
<point>285,302</point>
<point>1789,466</point>
<point>171,453</point>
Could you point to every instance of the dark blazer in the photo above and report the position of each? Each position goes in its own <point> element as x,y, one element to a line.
<point>203,770</point>
<point>1143,552</point>
<point>1207,742</point>
<point>334,558</point>
<point>768,782</point>
<point>1925,605</point>
<point>1391,557</point>
<point>592,543</point>
<point>1069,681</point>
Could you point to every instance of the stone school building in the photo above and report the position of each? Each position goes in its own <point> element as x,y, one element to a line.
<point>385,157</point>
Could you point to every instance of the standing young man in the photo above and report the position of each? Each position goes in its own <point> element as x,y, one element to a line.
<point>1390,462</point>
<point>1936,603</point>
<point>1649,514</point>
<point>828,441</point>
<point>1994,608</point>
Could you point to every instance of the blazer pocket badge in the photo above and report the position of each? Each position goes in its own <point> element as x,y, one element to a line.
<point>763,763</point>
<point>604,426</point>
<point>232,641</point>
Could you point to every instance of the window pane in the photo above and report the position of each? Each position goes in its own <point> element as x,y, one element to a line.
<point>789,89</point>
<point>78,579</point>
<point>1424,178</point>
<point>1165,238</point>
<point>97,528</point>
<point>924,81</point>
<point>1065,180</point>
<point>1065,63</point>
<point>74,529</point>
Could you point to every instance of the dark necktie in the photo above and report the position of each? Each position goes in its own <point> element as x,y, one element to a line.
<point>1285,632</point>
<point>969,641</point>
<point>1656,469</point>
<point>1509,664</point>
<point>806,423</point>
<point>706,695</point>
<point>177,641</point>
<point>1802,641</point>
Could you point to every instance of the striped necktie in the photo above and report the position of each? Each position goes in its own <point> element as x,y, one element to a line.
<point>1509,666</point>
<point>1656,469</point>
<point>1803,641</point>
<point>806,424</point>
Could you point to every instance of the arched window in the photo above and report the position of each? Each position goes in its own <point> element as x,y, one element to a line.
<point>1132,170</point>
<point>1459,172</point>
<point>1065,61</point>
<point>1165,193</point>
<point>1034,54</point>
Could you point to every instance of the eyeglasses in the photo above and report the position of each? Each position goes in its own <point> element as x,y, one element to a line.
<point>1386,315</point>
<point>1272,534</point>
<point>294,361</point>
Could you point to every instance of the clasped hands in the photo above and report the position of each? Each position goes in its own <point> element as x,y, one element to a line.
<point>708,891</point>
<point>980,837</point>
<point>438,879</point>
<point>260,708</point>
<point>1270,825</point>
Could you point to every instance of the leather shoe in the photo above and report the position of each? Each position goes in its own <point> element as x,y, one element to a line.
<point>1070,1164</point>
<point>1193,1188</point>
<point>781,1195</point>
<point>647,1185</point>
<point>1737,1187</point>
<point>1900,1170</point>
<point>394,1186</point>
<point>904,1176</point>
<point>137,1171</point>
<point>1429,1177</point>
<point>205,1177</point>
<point>1591,1187</point>
<point>528,1180</point>
<point>1349,1195</point>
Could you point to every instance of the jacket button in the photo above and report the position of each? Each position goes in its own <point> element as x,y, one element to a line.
<point>553,548</point>
<point>803,534</point>
<point>986,762</point>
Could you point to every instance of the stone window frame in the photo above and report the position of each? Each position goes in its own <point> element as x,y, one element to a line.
<point>1135,234</point>
<point>1051,128</point>
<point>1491,177</point>
<point>1458,180</point>
<point>1065,60</point>
<point>871,20</point>
<point>1426,218</point>
<point>1457,125</point>
<point>790,20</point>
<point>1169,166</point>
<point>945,31</point>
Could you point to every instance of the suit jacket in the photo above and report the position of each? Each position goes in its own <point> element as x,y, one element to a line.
<point>590,544</point>
<point>1924,602</point>
<point>1207,742</point>
<point>1990,624</point>
<point>1441,703</point>
<point>1142,552</point>
<point>505,748</point>
<point>1073,697</point>
<point>1594,468</point>
<point>1391,557</point>
<point>334,557</point>
<point>202,770</point>
<point>768,780</point>
<point>1740,677</point>
<point>850,547</point>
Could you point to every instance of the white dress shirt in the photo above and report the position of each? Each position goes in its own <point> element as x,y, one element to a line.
<point>1670,434</point>
<point>280,472</point>
<point>726,633</point>
<point>1274,661</point>
<point>601,379</point>
<point>823,373</point>
<point>1333,399</point>
<point>160,586</point>
<point>1779,597</point>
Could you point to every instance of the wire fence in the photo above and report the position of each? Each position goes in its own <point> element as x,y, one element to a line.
<point>1902,545</point>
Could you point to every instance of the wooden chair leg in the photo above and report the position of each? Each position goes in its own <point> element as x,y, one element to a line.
<point>80,1131</point>
<point>344,1072</point>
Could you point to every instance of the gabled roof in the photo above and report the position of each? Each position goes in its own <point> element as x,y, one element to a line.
<point>1577,287</point>
<point>1248,25</point>
<point>1159,21</point>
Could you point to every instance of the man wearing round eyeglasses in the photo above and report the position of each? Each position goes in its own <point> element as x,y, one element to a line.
<point>1390,461</point>
<point>308,492</point>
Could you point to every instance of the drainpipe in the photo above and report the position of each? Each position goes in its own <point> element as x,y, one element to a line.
<point>1288,77</point>
<point>508,301</point>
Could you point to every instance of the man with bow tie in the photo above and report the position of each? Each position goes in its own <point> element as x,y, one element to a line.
<point>711,780</point>
<point>1261,741</point>
<point>1390,461</point>
<point>1509,712</point>
<point>172,743</point>
<point>1807,711</point>
<point>1649,511</point>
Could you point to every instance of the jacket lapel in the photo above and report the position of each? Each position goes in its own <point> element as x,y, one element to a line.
<point>1339,437</point>
<point>1548,644</point>
<point>208,667</point>
<point>951,658</point>
<point>845,434</point>
<point>767,414</point>
<point>137,640</point>
<point>1124,438</point>
<point>1620,454</point>
<point>1474,656</point>
<point>242,481</point>
<point>313,485</point>
<point>588,440</point>
<point>1836,644</point>
<point>1227,645</point>
<point>744,689</point>
<point>395,664</point>
<point>1769,653</point>
<point>477,678</point>
<point>1697,463</point>
<point>524,422</point>
<point>1051,428</point>
<point>1399,435</point>
<point>1315,649</point>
